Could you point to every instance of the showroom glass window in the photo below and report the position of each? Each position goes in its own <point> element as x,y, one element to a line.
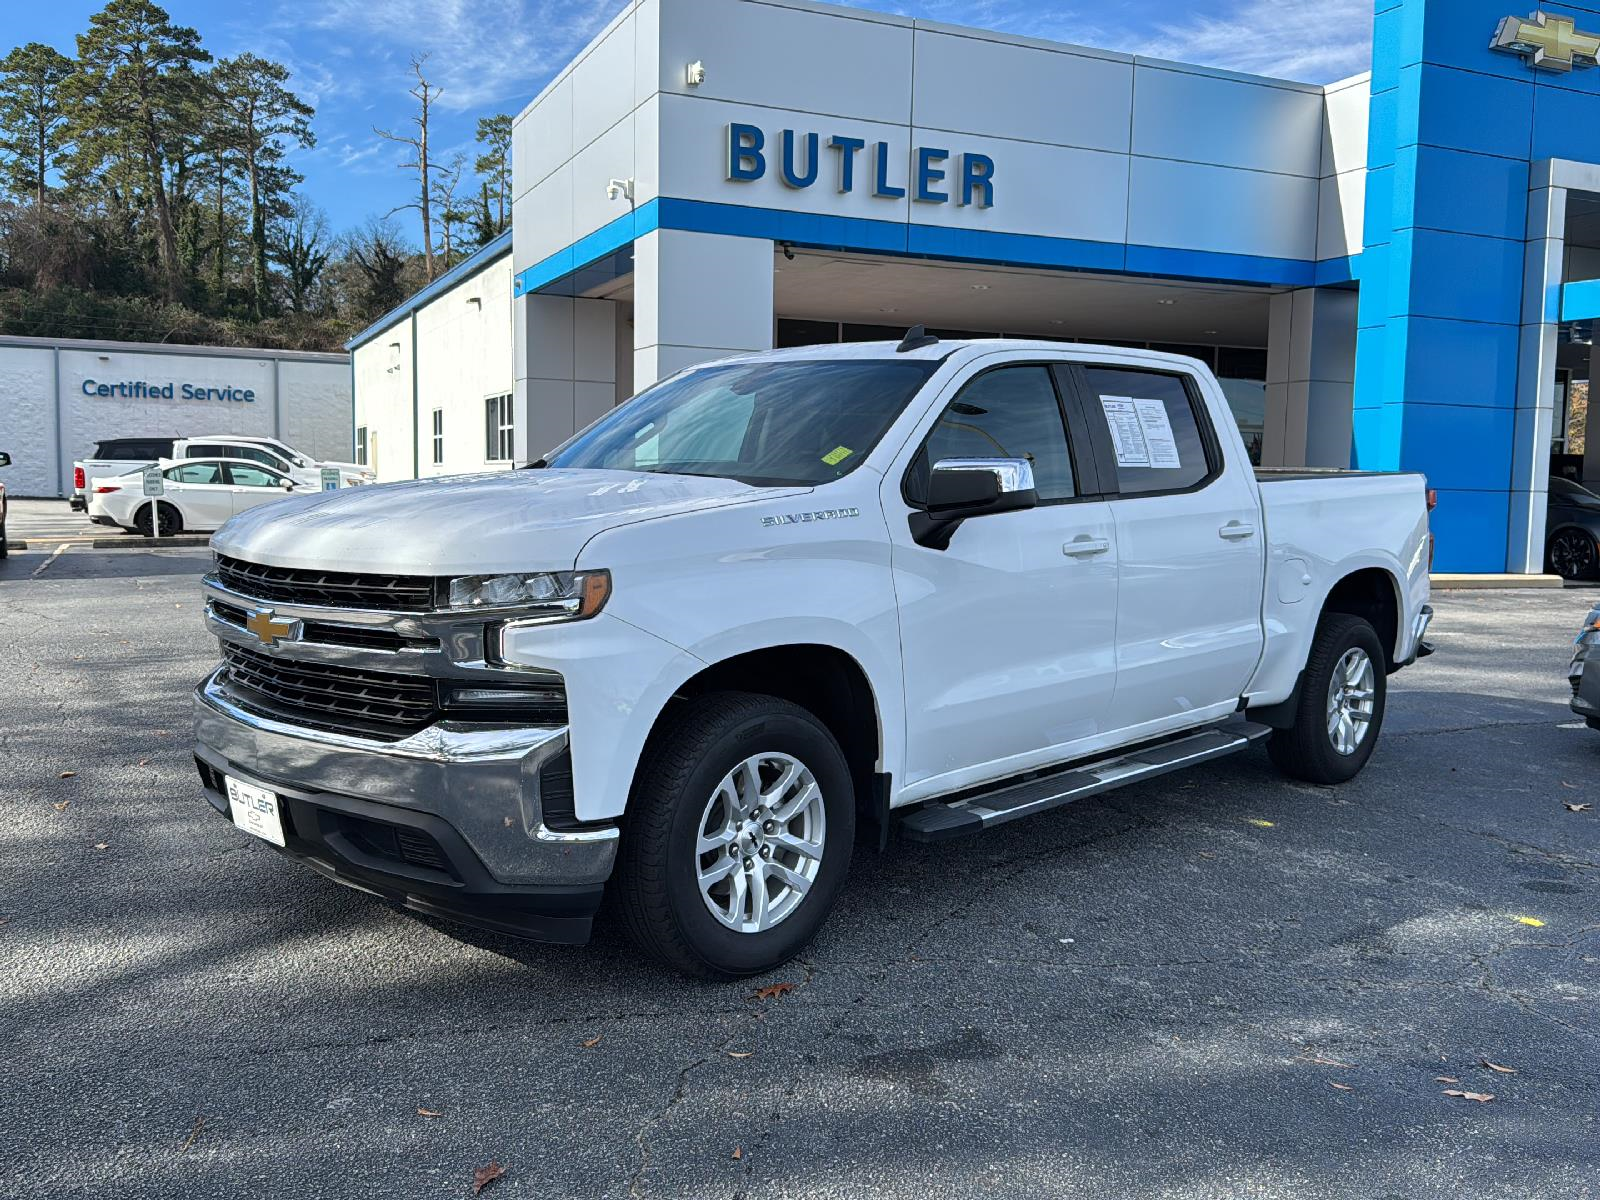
<point>1164,447</point>
<point>499,429</point>
<point>1010,412</point>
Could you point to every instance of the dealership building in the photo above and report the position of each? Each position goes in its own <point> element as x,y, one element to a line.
<point>60,397</point>
<point>1397,271</point>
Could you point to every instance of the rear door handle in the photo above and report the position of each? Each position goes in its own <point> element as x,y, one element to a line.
<point>1084,546</point>
<point>1236,530</point>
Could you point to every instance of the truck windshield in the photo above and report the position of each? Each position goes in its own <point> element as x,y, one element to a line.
<point>775,424</point>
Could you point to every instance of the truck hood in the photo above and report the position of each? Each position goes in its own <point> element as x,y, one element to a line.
<point>530,520</point>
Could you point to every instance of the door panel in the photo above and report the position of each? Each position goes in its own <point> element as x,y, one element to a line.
<point>1190,549</point>
<point>201,493</point>
<point>254,485</point>
<point>1008,635</point>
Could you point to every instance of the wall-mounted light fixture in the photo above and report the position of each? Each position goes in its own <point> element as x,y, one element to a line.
<point>695,73</point>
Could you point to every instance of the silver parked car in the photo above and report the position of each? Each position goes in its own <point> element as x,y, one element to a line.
<point>1586,684</point>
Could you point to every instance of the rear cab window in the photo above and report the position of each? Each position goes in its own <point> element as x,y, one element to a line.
<point>1150,429</point>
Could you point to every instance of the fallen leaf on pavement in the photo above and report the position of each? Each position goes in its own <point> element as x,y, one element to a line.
<point>1343,1087</point>
<point>1329,1062</point>
<point>740,1053</point>
<point>1577,807</point>
<point>143,762</point>
<point>199,1124</point>
<point>1258,823</point>
<point>1498,1067</point>
<point>428,1112</point>
<point>772,991</point>
<point>1532,922</point>
<point>1480,1097</point>
<point>1445,1079</point>
<point>100,846</point>
<point>484,1176</point>
<point>593,1042</point>
<point>68,774</point>
<point>738,1152</point>
<point>61,805</point>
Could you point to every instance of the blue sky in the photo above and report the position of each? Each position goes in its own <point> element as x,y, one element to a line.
<point>349,57</point>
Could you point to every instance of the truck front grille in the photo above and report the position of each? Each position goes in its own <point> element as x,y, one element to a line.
<point>329,589</point>
<point>374,704</point>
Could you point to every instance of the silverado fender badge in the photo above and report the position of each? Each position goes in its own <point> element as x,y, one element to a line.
<point>269,629</point>
<point>827,514</point>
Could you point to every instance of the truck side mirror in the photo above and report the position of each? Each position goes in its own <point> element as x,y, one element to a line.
<point>5,459</point>
<point>959,488</point>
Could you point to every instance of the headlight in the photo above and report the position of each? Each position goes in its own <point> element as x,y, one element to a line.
<point>547,595</point>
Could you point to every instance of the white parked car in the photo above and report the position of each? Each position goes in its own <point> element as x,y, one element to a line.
<point>928,588</point>
<point>118,456</point>
<point>198,495</point>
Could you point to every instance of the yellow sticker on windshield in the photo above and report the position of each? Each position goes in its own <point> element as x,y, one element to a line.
<point>837,455</point>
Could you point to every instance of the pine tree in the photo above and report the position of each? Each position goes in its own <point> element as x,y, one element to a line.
<point>494,164</point>
<point>262,120</point>
<point>136,111</point>
<point>426,96</point>
<point>32,116</point>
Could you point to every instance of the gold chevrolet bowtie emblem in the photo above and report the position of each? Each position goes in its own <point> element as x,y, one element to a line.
<point>1549,42</point>
<point>270,630</point>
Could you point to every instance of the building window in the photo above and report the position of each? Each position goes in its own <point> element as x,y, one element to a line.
<point>438,436</point>
<point>500,429</point>
<point>361,445</point>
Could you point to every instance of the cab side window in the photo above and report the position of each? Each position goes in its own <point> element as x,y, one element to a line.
<point>196,473</point>
<point>1009,412</point>
<point>1158,438</point>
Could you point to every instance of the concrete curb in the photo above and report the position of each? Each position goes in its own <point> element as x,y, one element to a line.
<point>1468,583</point>
<point>143,543</point>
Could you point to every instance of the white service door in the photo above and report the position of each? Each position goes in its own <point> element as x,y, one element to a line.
<point>200,493</point>
<point>1191,553</point>
<point>1008,635</point>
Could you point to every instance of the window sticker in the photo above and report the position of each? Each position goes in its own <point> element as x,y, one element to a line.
<point>837,455</point>
<point>1141,433</point>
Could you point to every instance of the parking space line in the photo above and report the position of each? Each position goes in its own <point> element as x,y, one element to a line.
<point>54,554</point>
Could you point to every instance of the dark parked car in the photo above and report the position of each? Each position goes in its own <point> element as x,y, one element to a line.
<point>1572,528</point>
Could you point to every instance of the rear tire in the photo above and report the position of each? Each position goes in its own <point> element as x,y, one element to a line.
<point>171,520</point>
<point>5,550</point>
<point>1571,554</point>
<point>706,833</point>
<point>1340,711</point>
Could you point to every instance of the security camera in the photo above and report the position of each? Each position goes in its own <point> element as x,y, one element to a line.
<point>619,187</point>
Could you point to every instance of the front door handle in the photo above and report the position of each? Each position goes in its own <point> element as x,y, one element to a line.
<point>1236,531</point>
<point>1084,546</point>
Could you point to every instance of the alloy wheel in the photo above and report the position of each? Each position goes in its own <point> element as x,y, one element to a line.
<point>1352,696</point>
<point>760,842</point>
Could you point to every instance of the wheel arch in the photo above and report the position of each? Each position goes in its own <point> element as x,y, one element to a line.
<point>1373,594</point>
<point>825,680</point>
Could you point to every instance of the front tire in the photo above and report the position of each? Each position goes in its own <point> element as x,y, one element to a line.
<point>1340,712</point>
<point>1571,554</point>
<point>5,550</point>
<point>737,837</point>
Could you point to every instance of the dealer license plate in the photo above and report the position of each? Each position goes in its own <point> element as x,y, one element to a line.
<point>255,810</point>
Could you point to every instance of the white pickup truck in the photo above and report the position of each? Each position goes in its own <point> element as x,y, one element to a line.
<point>917,590</point>
<point>121,456</point>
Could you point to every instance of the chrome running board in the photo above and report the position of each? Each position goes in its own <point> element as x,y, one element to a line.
<point>940,820</point>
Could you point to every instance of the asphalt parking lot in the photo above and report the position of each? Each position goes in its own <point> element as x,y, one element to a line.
<point>1219,984</point>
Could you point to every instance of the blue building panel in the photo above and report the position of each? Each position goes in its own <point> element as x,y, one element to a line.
<point>1465,110</point>
<point>1457,192</point>
<point>1566,123</point>
<point>1459,276</point>
<point>1470,530</point>
<point>1460,446</point>
<point>1458,362</point>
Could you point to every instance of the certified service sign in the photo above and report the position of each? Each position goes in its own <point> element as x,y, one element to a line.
<point>1548,42</point>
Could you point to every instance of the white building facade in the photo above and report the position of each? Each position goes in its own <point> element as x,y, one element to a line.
<point>60,397</point>
<point>715,176</point>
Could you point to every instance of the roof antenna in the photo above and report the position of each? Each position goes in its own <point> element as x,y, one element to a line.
<point>915,339</point>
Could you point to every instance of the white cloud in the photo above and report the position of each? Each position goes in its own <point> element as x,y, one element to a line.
<point>483,53</point>
<point>1314,40</point>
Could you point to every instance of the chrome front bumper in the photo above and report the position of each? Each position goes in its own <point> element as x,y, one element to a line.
<point>483,782</point>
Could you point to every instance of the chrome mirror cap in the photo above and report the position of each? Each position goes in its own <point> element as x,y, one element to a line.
<point>1010,474</point>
